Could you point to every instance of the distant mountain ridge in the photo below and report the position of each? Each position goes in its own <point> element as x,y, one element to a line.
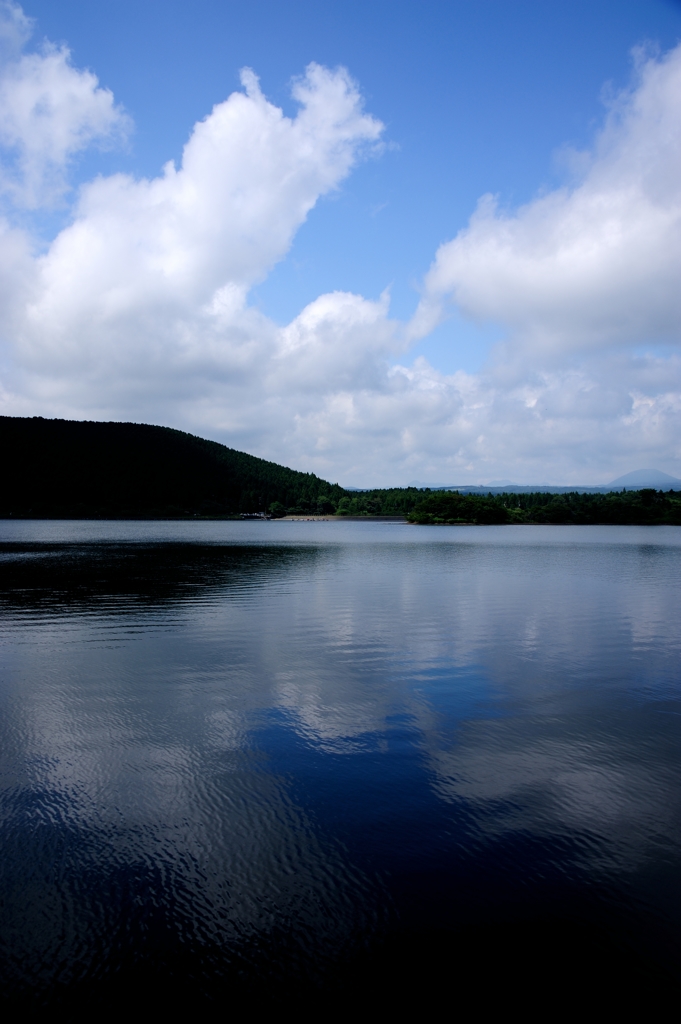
<point>635,480</point>
<point>647,478</point>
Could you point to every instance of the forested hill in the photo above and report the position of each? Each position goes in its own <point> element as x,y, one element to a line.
<point>66,468</point>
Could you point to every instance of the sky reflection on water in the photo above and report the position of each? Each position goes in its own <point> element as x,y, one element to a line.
<point>233,752</point>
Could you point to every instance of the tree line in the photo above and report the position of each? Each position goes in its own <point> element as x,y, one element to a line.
<point>644,507</point>
<point>425,506</point>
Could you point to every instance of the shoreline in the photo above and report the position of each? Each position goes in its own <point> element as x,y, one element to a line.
<point>339,519</point>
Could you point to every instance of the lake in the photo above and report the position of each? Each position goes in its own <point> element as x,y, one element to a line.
<point>337,761</point>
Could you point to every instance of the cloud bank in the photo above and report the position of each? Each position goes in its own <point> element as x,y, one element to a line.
<point>138,308</point>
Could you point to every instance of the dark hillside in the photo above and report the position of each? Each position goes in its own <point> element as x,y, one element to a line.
<point>67,468</point>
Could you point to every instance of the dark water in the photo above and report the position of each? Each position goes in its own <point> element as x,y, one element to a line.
<point>323,762</point>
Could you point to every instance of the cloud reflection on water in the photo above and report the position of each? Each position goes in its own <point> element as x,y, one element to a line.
<point>516,687</point>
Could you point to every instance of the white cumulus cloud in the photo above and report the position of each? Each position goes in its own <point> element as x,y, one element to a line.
<point>596,263</point>
<point>49,111</point>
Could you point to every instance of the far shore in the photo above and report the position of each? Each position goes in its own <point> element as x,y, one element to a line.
<point>340,519</point>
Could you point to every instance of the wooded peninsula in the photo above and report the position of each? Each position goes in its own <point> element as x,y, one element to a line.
<point>66,469</point>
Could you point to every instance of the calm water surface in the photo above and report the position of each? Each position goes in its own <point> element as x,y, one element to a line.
<point>327,759</point>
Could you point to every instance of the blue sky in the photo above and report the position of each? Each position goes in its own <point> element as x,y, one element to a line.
<point>475,98</point>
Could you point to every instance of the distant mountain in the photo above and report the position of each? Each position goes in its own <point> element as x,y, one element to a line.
<point>72,469</point>
<point>636,480</point>
<point>647,478</point>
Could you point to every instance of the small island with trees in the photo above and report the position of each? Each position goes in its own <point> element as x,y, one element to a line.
<point>67,469</point>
